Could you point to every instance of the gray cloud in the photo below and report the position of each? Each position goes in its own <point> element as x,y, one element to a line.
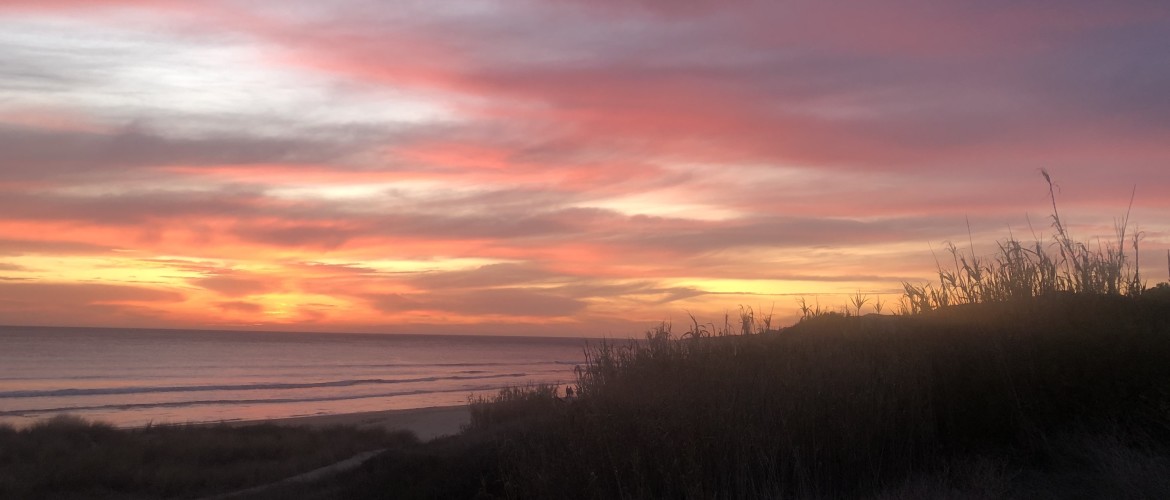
<point>129,208</point>
<point>492,275</point>
<point>793,232</point>
<point>40,154</point>
<point>233,285</point>
<point>25,247</point>
<point>503,301</point>
<point>83,293</point>
<point>590,288</point>
<point>899,87</point>
<point>293,234</point>
<point>241,306</point>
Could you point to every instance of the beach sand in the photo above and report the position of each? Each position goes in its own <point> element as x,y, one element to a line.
<point>427,423</point>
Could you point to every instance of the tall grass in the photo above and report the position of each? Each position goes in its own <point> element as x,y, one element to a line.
<point>1022,270</point>
<point>513,405</point>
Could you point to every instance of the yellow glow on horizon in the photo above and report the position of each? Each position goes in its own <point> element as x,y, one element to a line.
<point>279,307</point>
<point>662,204</point>
<point>101,269</point>
<point>416,266</point>
<point>337,192</point>
<point>763,287</point>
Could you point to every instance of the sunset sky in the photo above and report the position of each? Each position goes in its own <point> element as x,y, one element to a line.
<point>555,167</point>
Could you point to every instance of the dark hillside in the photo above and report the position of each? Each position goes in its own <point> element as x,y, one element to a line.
<point>841,406</point>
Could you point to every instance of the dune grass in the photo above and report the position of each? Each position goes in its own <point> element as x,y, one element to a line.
<point>66,457</point>
<point>513,406</point>
<point>964,399</point>
<point>1021,270</point>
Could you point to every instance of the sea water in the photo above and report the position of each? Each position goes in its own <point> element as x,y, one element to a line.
<point>134,377</point>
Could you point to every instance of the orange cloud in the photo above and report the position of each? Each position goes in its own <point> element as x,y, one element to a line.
<point>588,165</point>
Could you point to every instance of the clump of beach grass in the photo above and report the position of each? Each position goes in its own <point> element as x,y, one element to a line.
<point>512,404</point>
<point>1023,270</point>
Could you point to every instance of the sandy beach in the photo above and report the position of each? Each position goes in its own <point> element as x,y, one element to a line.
<point>427,423</point>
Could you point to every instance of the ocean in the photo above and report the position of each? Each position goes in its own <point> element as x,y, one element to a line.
<point>135,377</point>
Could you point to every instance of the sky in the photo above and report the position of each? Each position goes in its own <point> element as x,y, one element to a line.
<point>553,167</point>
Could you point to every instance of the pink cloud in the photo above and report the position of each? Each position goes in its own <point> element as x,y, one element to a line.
<point>713,111</point>
<point>803,134</point>
<point>71,5</point>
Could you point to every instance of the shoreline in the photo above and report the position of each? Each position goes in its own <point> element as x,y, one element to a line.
<point>427,423</point>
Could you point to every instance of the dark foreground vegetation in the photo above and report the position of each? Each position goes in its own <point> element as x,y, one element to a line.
<point>1045,397</point>
<point>70,458</point>
<point>1055,397</point>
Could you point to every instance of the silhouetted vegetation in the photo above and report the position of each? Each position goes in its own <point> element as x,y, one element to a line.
<point>67,457</point>
<point>1023,270</point>
<point>847,406</point>
<point>513,406</point>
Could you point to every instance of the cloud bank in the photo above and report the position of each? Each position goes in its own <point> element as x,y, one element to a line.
<point>568,167</point>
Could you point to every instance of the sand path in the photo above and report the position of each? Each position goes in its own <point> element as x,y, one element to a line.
<point>426,423</point>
